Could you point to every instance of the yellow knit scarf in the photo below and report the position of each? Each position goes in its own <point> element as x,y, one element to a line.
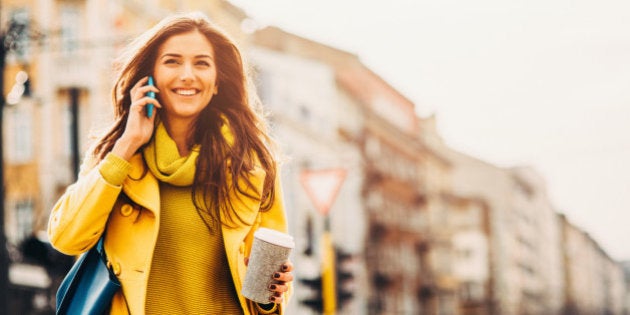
<point>163,160</point>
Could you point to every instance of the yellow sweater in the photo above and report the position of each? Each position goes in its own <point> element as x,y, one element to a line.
<point>189,273</point>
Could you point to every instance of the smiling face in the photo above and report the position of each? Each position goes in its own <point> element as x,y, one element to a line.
<point>186,75</point>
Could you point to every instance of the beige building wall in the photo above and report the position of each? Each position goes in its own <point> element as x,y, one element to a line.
<point>538,245</point>
<point>625,265</point>
<point>615,286</point>
<point>594,282</point>
<point>471,251</point>
<point>472,177</point>
<point>525,244</point>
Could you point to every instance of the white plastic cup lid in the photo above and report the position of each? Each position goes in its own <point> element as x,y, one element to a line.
<point>275,237</point>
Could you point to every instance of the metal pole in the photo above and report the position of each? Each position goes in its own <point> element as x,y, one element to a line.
<point>329,292</point>
<point>74,129</point>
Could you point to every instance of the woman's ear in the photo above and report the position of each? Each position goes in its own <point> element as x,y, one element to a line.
<point>216,90</point>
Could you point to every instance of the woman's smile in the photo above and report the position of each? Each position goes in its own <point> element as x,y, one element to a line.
<point>186,92</point>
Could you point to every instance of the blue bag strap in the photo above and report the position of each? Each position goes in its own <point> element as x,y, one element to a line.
<point>100,246</point>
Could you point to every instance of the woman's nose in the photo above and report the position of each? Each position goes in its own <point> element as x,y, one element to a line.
<point>187,73</point>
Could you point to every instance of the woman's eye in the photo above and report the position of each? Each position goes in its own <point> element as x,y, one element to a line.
<point>170,61</point>
<point>203,63</point>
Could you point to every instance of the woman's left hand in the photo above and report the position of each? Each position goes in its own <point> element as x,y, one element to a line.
<point>282,279</point>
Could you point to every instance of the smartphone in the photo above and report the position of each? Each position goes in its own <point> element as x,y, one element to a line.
<point>150,94</point>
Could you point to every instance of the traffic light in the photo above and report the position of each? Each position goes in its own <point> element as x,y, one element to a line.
<point>343,277</point>
<point>315,301</point>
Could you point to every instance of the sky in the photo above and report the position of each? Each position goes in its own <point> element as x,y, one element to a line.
<point>541,83</point>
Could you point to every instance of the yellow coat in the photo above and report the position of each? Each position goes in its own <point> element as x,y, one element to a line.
<point>79,218</point>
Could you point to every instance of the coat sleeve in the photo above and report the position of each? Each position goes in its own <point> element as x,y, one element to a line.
<point>275,218</point>
<point>79,217</point>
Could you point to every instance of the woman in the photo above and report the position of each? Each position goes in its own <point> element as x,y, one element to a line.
<point>178,194</point>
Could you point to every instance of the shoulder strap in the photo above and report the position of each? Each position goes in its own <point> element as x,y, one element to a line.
<point>100,246</point>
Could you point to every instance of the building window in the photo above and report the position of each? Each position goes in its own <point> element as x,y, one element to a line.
<point>471,292</point>
<point>20,22</point>
<point>21,143</point>
<point>446,304</point>
<point>24,217</point>
<point>465,253</point>
<point>70,27</point>
<point>66,125</point>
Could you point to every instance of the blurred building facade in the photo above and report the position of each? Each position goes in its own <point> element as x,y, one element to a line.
<point>429,230</point>
<point>393,193</point>
<point>539,263</point>
<point>594,282</point>
<point>525,251</point>
<point>626,270</point>
<point>305,116</point>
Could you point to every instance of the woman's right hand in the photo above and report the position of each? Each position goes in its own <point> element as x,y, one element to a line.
<point>139,127</point>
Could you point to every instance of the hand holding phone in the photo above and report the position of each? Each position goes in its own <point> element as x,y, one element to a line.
<point>150,94</point>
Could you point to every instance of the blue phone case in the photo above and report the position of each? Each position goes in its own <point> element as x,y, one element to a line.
<point>150,94</point>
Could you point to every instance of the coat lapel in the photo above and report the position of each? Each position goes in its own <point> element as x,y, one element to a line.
<point>141,186</point>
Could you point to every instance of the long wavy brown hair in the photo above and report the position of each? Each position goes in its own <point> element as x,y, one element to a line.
<point>222,168</point>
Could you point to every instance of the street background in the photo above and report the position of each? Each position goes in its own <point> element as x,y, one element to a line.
<point>540,83</point>
<point>440,158</point>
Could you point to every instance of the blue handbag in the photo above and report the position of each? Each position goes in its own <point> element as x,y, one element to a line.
<point>89,286</point>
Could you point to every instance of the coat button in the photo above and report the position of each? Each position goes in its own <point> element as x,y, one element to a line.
<point>116,269</point>
<point>126,210</point>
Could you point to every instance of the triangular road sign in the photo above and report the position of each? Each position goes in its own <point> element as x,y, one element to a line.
<point>322,186</point>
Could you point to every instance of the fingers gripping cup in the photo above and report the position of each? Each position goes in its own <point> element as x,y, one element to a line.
<point>270,250</point>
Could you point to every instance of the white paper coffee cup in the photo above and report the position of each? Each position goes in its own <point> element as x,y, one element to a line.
<point>270,250</point>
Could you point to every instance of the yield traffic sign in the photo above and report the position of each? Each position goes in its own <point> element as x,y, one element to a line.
<point>322,186</point>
